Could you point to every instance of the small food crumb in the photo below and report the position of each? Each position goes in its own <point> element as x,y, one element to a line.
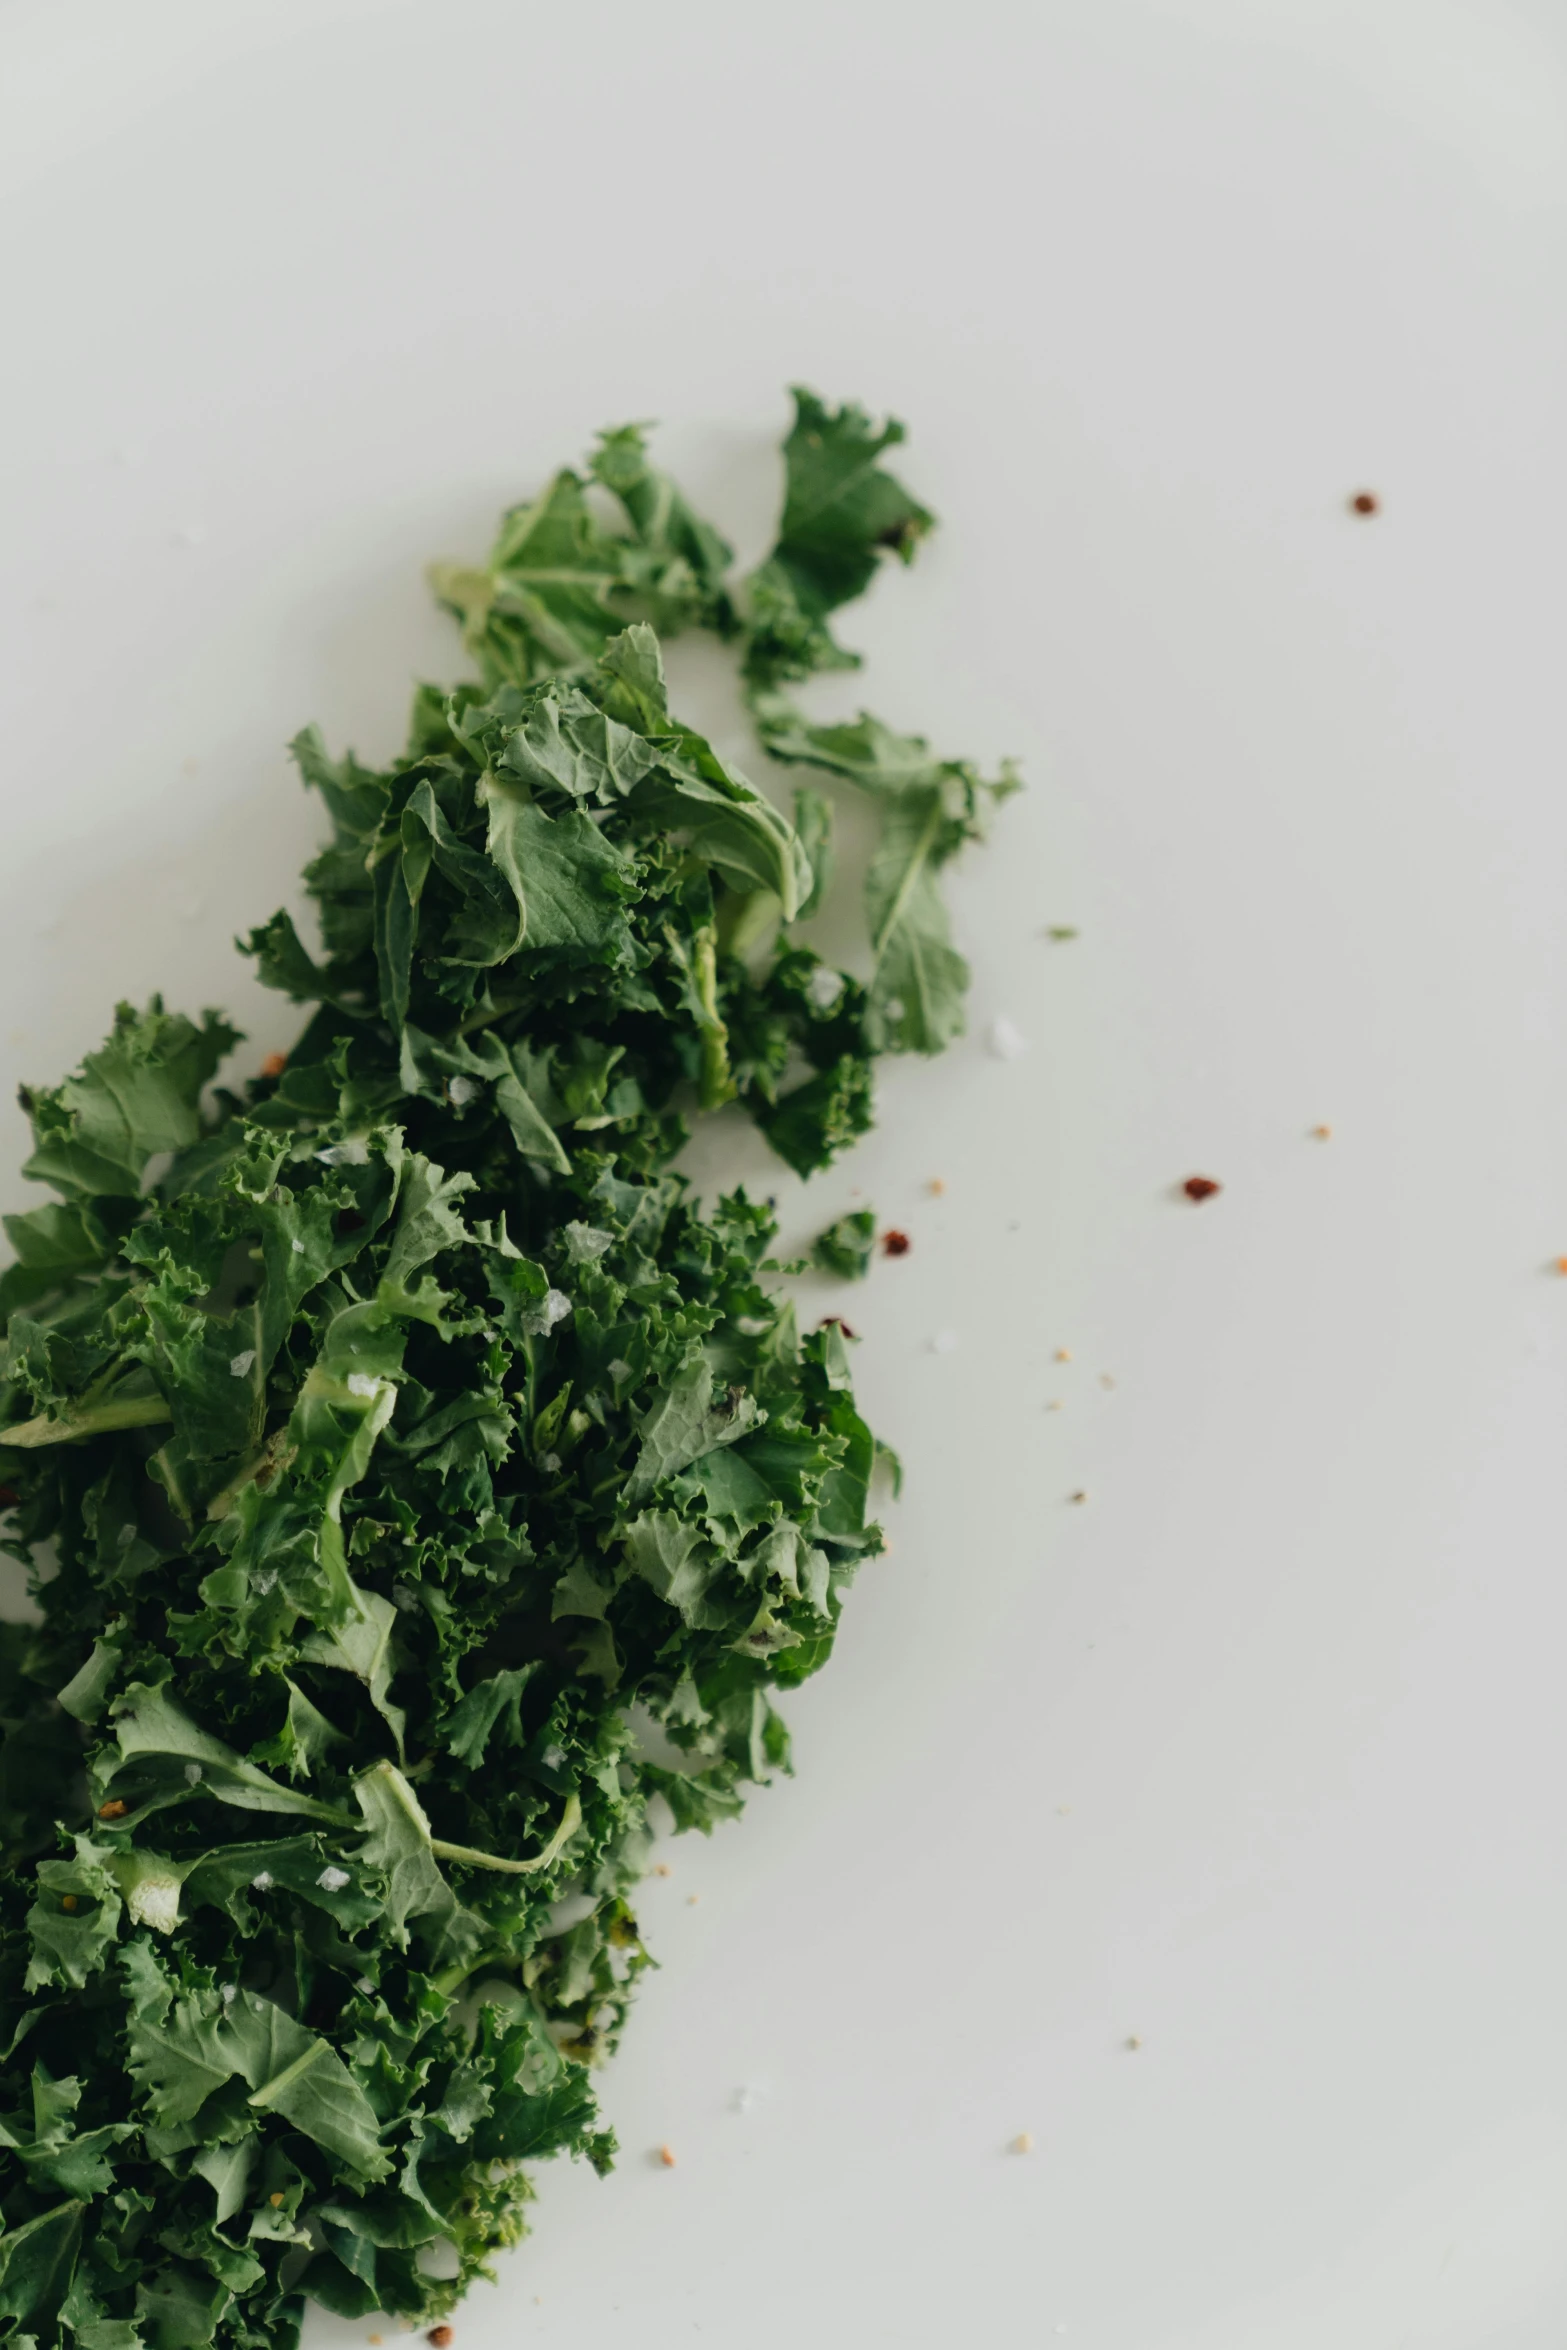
<point>1006,1040</point>
<point>1063,1354</point>
<point>1322,1134</point>
<point>274,1066</point>
<point>667,2157</point>
<point>439,2337</point>
<point>661,1869</point>
<point>1062,1809</point>
<point>1200,1187</point>
<point>1061,931</point>
<point>374,2340</point>
<point>835,1322</point>
<point>692,1899</point>
<point>1054,1405</point>
<point>1107,1379</point>
<point>114,1809</point>
<point>1132,2043</point>
<point>276,2200</point>
<point>1023,2143</point>
<point>1079,1497</point>
<point>1365,502</point>
<point>895,1244</point>
<point>67,1901</point>
<point>1561,1264</point>
<point>936,1186</point>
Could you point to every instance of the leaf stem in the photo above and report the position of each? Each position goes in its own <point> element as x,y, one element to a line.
<point>141,1411</point>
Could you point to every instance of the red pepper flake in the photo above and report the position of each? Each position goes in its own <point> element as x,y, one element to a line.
<point>9,1497</point>
<point>114,1809</point>
<point>1561,1265</point>
<point>835,1322</point>
<point>1365,502</point>
<point>895,1244</point>
<point>666,2157</point>
<point>1200,1187</point>
<point>274,1065</point>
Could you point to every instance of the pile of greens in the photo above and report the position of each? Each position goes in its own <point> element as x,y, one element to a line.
<point>404,1460</point>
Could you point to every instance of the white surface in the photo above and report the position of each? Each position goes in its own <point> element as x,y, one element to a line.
<point>1259,1754</point>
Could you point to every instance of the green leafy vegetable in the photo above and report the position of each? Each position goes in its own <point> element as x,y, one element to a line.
<point>392,1439</point>
<point>846,1247</point>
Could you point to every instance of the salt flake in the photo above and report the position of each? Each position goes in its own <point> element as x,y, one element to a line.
<point>239,1365</point>
<point>332,1880</point>
<point>1005,1040</point>
<point>539,1320</point>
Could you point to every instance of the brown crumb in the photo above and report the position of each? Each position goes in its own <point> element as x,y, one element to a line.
<point>114,1809</point>
<point>274,1065</point>
<point>936,1186</point>
<point>374,2340</point>
<point>895,1244</point>
<point>1023,2143</point>
<point>1200,1187</point>
<point>666,2155</point>
<point>661,1868</point>
<point>692,1899</point>
<point>440,2337</point>
<point>1063,1354</point>
<point>1078,1497</point>
<point>67,1901</point>
<point>1133,2043</point>
<point>1107,1379</point>
<point>1322,1134</point>
<point>1365,502</point>
<point>1054,1405</point>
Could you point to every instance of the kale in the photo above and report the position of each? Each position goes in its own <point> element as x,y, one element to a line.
<point>397,1445</point>
<point>847,1246</point>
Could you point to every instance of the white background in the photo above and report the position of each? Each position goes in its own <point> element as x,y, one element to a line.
<point>1258,1754</point>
